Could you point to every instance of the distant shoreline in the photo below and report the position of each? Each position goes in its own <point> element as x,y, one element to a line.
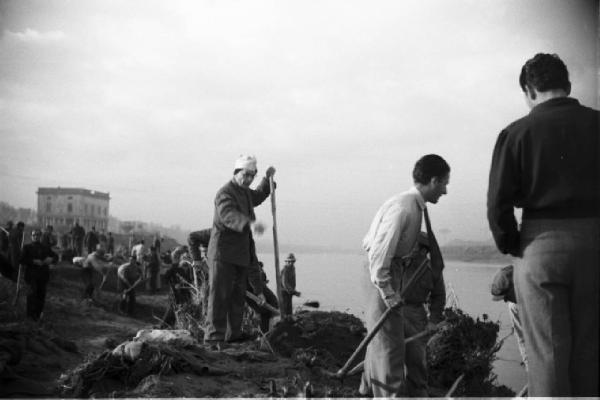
<point>471,253</point>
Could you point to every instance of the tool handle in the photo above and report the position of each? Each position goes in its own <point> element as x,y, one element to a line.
<point>365,342</point>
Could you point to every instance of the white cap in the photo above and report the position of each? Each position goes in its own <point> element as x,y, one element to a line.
<point>246,162</point>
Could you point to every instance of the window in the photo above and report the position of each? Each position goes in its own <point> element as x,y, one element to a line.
<point>105,212</point>
<point>70,208</point>
<point>85,208</point>
<point>48,207</point>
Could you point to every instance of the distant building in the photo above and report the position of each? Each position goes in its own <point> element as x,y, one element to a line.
<point>64,206</point>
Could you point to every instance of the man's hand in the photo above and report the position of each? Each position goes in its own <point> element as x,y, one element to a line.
<point>38,262</point>
<point>48,260</point>
<point>257,227</point>
<point>297,293</point>
<point>393,301</point>
<point>270,172</point>
<point>261,299</point>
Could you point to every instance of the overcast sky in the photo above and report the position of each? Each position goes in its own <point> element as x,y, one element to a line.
<point>153,101</point>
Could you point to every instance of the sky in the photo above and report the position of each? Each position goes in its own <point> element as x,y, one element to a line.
<point>152,101</point>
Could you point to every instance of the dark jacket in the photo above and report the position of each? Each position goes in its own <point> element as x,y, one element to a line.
<point>430,288</point>
<point>195,240</point>
<point>548,164</point>
<point>231,238</point>
<point>36,251</point>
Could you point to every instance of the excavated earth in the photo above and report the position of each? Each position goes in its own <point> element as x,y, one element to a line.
<point>70,352</point>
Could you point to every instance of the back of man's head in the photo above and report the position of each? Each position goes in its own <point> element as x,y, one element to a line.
<point>430,166</point>
<point>545,72</point>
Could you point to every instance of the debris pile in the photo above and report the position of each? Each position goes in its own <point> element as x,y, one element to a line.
<point>465,347</point>
<point>331,335</point>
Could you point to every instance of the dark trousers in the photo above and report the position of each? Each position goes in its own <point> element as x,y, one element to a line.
<point>37,279</point>
<point>153,278</point>
<point>265,315</point>
<point>557,288</point>
<point>286,303</point>
<point>6,268</point>
<point>415,321</point>
<point>226,299</point>
<point>127,304</point>
<point>78,247</point>
<point>87,276</point>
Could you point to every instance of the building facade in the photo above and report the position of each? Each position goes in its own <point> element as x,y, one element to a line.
<point>62,207</point>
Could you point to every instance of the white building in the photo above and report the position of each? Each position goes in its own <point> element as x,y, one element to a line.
<point>64,206</point>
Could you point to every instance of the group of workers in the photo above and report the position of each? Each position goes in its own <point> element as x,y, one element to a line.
<point>546,163</point>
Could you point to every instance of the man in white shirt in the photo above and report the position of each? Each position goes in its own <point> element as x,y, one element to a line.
<point>391,237</point>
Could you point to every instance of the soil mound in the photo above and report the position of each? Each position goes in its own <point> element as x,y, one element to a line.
<point>28,354</point>
<point>327,337</point>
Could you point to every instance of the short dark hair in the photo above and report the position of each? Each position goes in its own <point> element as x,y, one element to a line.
<point>430,166</point>
<point>545,72</point>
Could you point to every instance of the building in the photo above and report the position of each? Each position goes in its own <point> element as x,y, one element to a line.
<point>62,207</point>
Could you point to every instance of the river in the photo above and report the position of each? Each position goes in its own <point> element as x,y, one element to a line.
<point>336,281</point>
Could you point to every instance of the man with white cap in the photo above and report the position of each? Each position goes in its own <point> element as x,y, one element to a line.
<point>231,250</point>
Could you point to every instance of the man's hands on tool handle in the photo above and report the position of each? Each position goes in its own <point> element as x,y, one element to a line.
<point>258,228</point>
<point>393,300</point>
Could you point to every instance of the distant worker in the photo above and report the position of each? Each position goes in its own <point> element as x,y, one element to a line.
<point>429,293</point>
<point>48,237</point>
<point>231,250</point>
<point>99,262</point>
<point>504,289</point>
<point>179,278</point>
<point>16,240</point>
<point>270,298</point>
<point>198,242</point>
<point>156,243</point>
<point>102,238</point>
<point>288,285</point>
<point>110,243</point>
<point>4,232</point>
<point>36,259</point>
<point>153,270</point>
<point>7,269</point>
<point>77,234</point>
<point>391,237</point>
<point>130,276</point>
<point>548,164</point>
<point>91,240</point>
<point>139,251</point>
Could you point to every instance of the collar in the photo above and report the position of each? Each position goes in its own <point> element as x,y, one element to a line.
<point>418,196</point>
<point>554,103</point>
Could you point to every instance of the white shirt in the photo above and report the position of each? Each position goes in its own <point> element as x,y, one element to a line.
<point>138,252</point>
<point>393,234</point>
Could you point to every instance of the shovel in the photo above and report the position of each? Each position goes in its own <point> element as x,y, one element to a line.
<point>414,278</point>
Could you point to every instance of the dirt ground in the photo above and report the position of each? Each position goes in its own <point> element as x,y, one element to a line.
<point>67,353</point>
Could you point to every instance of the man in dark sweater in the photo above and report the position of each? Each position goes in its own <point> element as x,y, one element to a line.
<point>36,258</point>
<point>548,164</point>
